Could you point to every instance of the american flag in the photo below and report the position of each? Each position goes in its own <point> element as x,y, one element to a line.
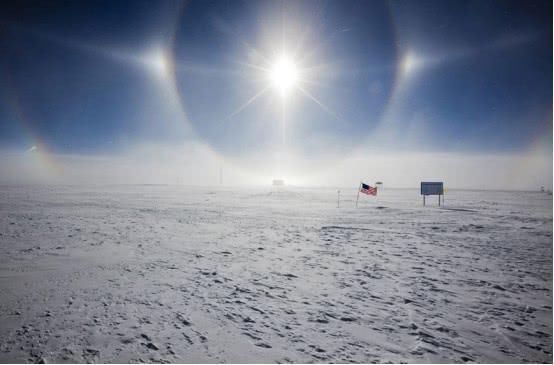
<point>369,190</point>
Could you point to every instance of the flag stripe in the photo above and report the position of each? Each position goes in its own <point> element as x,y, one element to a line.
<point>369,190</point>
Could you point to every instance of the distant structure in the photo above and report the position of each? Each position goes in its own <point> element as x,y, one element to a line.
<point>379,185</point>
<point>278,182</point>
<point>432,188</point>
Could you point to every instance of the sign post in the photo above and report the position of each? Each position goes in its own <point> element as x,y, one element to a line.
<point>358,196</point>
<point>338,198</point>
<point>432,188</point>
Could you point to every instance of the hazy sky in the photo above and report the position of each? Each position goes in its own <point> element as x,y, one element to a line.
<point>104,79</point>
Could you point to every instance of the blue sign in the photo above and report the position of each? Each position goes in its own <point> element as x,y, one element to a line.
<point>432,188</point>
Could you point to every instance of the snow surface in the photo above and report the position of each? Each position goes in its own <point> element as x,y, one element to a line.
<point>183,274</point>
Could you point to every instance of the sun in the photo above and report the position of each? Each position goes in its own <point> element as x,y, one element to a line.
<point>283,75</point>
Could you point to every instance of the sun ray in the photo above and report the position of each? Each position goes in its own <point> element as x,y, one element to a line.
<point>312,82</point>
<point>321,105</point>
<point>228,30</point>
<point>250,101</point>
<point>255,50</point>
<point>256,67</point>
<point>308,31</point>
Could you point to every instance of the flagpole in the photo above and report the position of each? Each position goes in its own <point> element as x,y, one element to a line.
<point>358,196</point>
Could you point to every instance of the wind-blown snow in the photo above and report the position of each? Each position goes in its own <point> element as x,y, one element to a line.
<point>182,274</point>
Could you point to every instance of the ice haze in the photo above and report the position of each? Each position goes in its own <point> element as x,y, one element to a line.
<point>196,163</point>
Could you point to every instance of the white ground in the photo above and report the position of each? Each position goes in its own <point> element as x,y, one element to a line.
<point>180,274</point>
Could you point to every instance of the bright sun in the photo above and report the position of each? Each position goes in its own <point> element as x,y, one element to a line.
<point>283,75</point>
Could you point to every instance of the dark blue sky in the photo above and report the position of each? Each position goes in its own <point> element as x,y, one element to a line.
<point>73,74</point>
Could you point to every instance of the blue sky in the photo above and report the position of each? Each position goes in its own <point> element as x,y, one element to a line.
<point>463,76</point>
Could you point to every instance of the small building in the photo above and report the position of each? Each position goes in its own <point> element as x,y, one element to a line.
<point>278,182</point>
